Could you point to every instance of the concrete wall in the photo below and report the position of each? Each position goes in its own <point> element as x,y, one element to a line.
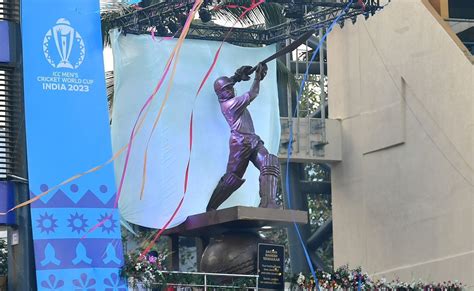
<point>403,198</point>
<point>305,139</point>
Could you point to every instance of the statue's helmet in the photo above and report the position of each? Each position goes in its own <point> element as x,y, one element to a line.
<point>222,83</point>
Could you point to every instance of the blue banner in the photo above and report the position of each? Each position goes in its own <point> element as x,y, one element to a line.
<point>67,127</point>
<point>7,201</point>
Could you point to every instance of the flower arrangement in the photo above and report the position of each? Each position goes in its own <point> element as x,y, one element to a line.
<point>146,270</point>
<point>149,272</point>
<point>345,279</point>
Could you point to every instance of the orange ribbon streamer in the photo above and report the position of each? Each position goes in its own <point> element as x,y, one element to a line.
<point>216,56</point>
<point>160,232</point>
<point>168,90</point>
<point>140,122</point>
<point>175,52</point>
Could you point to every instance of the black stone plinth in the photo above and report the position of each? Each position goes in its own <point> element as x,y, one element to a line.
<point>237,218</point>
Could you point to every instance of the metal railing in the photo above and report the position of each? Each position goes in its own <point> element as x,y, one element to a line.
<point>205,283</point>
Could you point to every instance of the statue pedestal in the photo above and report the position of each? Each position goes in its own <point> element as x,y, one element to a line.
<point>237,218</point>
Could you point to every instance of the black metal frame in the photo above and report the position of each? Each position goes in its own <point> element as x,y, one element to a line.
<point>11,137</point>
<point>12,149</point>
<point>320,15</point>
<point>10,11</point>
<point>13,167</point>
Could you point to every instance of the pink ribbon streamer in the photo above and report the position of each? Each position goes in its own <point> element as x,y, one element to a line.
<point>216,56</point>
<point>132,135</point>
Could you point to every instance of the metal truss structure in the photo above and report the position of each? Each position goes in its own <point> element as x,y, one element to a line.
<point>318,15</point>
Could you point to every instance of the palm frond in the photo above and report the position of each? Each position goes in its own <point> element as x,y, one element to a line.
<point>107,18</point>
<point>285,76</point>
<point>266,14</point>
<point>109,84</point>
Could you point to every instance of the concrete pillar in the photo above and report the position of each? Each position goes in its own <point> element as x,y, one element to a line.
<point>21,257</point>
<point>173,246</point>
<point>201,244</point>
<point>297,201</point>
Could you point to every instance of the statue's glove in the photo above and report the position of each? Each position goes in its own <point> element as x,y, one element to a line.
<point>261,71</point>
<point>242,74</point>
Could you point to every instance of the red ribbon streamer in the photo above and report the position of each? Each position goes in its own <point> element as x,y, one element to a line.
<point>129,146</point>
<point>216,56</point>
<point>148,101</point>
<point>362,4</point>
<point>132,135</point>
<point>186,175</point>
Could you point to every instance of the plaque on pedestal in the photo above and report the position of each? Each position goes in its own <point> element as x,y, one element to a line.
<point>270,266</point>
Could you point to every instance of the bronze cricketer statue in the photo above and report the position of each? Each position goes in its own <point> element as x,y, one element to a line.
<point>244,144</point>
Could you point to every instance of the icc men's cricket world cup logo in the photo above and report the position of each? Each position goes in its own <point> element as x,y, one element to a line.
<point>63,46</point>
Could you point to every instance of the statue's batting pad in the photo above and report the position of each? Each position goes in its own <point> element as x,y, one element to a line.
<point>139,63</point>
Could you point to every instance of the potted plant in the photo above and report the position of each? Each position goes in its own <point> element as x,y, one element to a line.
<point>3,264</point>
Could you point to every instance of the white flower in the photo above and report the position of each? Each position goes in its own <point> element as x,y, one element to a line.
<point>300,280</point>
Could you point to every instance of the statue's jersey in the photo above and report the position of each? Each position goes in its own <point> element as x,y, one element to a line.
<point>237,116</point>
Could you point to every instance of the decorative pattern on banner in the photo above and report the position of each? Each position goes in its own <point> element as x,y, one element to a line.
<point>68,133</point>
<point>63,259</point>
